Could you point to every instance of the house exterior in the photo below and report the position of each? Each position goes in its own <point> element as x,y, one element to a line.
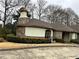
<point>63,32</point>
<point>35,29</point>
<point>76,28</point>
<point>27,27</point>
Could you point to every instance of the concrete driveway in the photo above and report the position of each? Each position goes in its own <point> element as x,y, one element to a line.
<point>41,53</point>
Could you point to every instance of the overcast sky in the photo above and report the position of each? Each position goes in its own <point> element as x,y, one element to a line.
<point>74,4</point>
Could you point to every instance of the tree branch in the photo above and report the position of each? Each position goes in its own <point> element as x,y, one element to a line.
<point>11,6</point>
<point>2,2</point>
<point>1,11</point>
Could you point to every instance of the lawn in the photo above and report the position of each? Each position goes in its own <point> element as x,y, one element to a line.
<point>10,45</point>
<point>20,45</point>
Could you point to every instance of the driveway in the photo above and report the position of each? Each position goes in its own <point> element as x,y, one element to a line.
<point>41,53</point>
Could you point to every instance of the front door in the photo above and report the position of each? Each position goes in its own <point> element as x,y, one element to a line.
<point>48,34</point>
<point>66,36</point>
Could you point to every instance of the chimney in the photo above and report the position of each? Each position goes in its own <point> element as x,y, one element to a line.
<point>24,18</point>
<point>23,12</point>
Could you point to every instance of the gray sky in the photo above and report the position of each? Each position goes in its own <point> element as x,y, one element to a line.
<point>74,4</point>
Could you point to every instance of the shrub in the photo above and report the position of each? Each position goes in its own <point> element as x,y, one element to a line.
<point>26,40</point>
<point>59,40</point>
<point>75,41</point>
<point>3,32</point>
<point>11,35</point>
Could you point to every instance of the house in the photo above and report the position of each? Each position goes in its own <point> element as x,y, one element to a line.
<point>27,27</point>
<point>63,32</point>
<point>76,28</point>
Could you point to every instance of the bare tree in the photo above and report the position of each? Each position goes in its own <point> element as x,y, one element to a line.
<point>73,17</point>
<point>62,16</point>
<point>40,8</point>
<point>51,13</point>
<point>31,8</point>
<point>55,13</point>
<point>9,6</point>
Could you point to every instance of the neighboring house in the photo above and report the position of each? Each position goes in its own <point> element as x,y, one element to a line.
<point>27,27</point>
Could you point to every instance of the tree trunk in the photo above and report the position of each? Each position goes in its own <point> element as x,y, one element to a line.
<point>5,13</point>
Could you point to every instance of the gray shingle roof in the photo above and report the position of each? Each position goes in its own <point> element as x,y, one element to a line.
<point>75,27</point>
<point>42,24</point>
<point>62,27</point>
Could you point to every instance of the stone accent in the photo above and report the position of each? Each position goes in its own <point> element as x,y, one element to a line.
<point>20,31</point>
<point>22,21</point>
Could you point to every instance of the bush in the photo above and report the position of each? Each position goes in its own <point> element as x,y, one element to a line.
<point>26,40</point>
<point>2,35</point>
<point>11,35</point>
<point>59,40</point>
<point>3,32</point>
<point>75,41</point>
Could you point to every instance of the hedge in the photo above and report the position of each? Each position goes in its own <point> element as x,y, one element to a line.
<point>62,40</point>
<point>75,41</point>
<point>26,40</point>
<point>59,40</point>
